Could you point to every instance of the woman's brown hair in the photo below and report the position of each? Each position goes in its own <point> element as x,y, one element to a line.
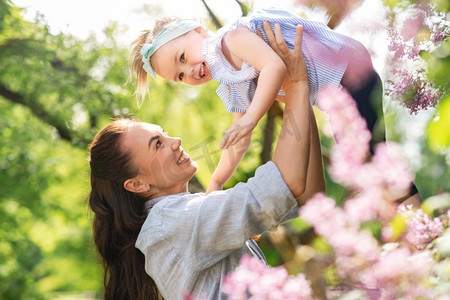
<point>119,215</point>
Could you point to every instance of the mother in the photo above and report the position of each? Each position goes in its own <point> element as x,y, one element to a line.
<point>156,239</point>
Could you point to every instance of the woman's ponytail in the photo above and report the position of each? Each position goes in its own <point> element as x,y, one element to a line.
<point>118,217</point>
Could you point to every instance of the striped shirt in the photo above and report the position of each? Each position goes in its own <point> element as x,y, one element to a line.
<point>325,53</point>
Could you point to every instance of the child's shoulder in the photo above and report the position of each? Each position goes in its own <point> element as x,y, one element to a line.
<point>238,32</point>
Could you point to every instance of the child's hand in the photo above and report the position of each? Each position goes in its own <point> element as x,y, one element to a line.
<point>237,131</point>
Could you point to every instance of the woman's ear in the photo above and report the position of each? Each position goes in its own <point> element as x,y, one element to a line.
<point>135,185</point>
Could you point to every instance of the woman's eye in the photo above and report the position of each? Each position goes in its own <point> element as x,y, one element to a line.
<point>180,76</point>
<point>158,144</point>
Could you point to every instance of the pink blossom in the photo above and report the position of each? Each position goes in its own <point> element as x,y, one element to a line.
<point>353,242</point>
<point>344,117</point>
<point>439,34</point>
<point>321,212</point>
<point>413,89</point>
<point>245,274</point>
<point>350,131</point>
<point>364,207</point>
<point>399,273</point>
<point>253,280</point>
<point>395,174</point>
<point>421,229</point>
<point>388,169</point>
<point>406,82</point>
<point>426,96</point>
<point>412,25</point>
<point>295,287</point>
<point>269,283</point>
<point>396,45</point>
<point>354,249</point>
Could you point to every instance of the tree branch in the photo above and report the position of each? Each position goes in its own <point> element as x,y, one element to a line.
<point>244,7</point>
<point>213,17</point>
<point>64,132</point>
<point>268,138</point>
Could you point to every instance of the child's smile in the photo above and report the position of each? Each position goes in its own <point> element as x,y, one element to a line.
<point>204,70</point>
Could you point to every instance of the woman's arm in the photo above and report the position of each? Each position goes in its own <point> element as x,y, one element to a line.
<point>229,160</point>
<point>315,181</point>
<point>298,136</point>
<point>242,45</point>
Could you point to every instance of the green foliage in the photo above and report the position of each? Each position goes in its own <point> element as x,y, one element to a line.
<point>44,227</point>
<point>438,133</point>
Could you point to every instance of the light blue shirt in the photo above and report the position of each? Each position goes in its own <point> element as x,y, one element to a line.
<point>192,241</point>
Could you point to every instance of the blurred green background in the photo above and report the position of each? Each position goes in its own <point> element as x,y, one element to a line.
<point>57,91</point>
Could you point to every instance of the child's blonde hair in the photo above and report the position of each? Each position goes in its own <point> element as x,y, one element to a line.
<point>136,64</point>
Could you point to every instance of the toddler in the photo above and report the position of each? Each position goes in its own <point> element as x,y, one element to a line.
<point>250,72</point>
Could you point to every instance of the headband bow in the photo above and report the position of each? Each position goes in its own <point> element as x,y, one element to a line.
<point>172,31</point>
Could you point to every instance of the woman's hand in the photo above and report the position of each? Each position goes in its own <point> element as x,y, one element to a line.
<point>293,59</point>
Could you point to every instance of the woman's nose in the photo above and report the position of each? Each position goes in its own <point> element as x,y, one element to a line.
<point>175,143</point>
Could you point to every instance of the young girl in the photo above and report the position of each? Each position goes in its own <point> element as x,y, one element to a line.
<point>250,72</point>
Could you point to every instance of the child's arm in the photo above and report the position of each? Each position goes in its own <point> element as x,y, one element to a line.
<point>229,161</point>
<point>242,45</point>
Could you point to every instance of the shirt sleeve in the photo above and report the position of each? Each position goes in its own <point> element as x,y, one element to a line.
<point>207,228</point>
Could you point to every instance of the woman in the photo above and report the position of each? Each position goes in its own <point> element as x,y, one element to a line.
<point>187,243</point>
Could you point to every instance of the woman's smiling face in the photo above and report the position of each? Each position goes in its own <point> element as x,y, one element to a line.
<point>161,160</point>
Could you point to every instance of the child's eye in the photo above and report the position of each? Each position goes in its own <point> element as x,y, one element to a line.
<point>180,76</point>
<point>182,57</point>
<point>158,144</point>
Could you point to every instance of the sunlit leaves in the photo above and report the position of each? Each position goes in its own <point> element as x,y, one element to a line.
<point>438,128</point>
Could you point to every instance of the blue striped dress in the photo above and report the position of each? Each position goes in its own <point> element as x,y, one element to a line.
<point>326,54</point>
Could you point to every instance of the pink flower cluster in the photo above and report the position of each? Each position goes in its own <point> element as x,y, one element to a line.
<point>256,281</point>
<point>399,274</point>
<point>355,250</point>
<point>410,85</point>
<point>416,93</point>
<point>351,134</point>
<point>375,184</point>
<point>421,229</point>
<point>387,175</point>
<point>389,273</point>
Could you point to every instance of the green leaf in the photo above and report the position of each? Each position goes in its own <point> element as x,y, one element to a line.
<point>438,130</point>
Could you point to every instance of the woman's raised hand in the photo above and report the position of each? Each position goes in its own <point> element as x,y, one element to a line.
<point>293,59</point>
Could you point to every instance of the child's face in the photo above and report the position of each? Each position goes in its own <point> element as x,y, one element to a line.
<point>181,59</point>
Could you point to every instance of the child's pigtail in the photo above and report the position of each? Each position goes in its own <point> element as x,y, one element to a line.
<point>136,64</point>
